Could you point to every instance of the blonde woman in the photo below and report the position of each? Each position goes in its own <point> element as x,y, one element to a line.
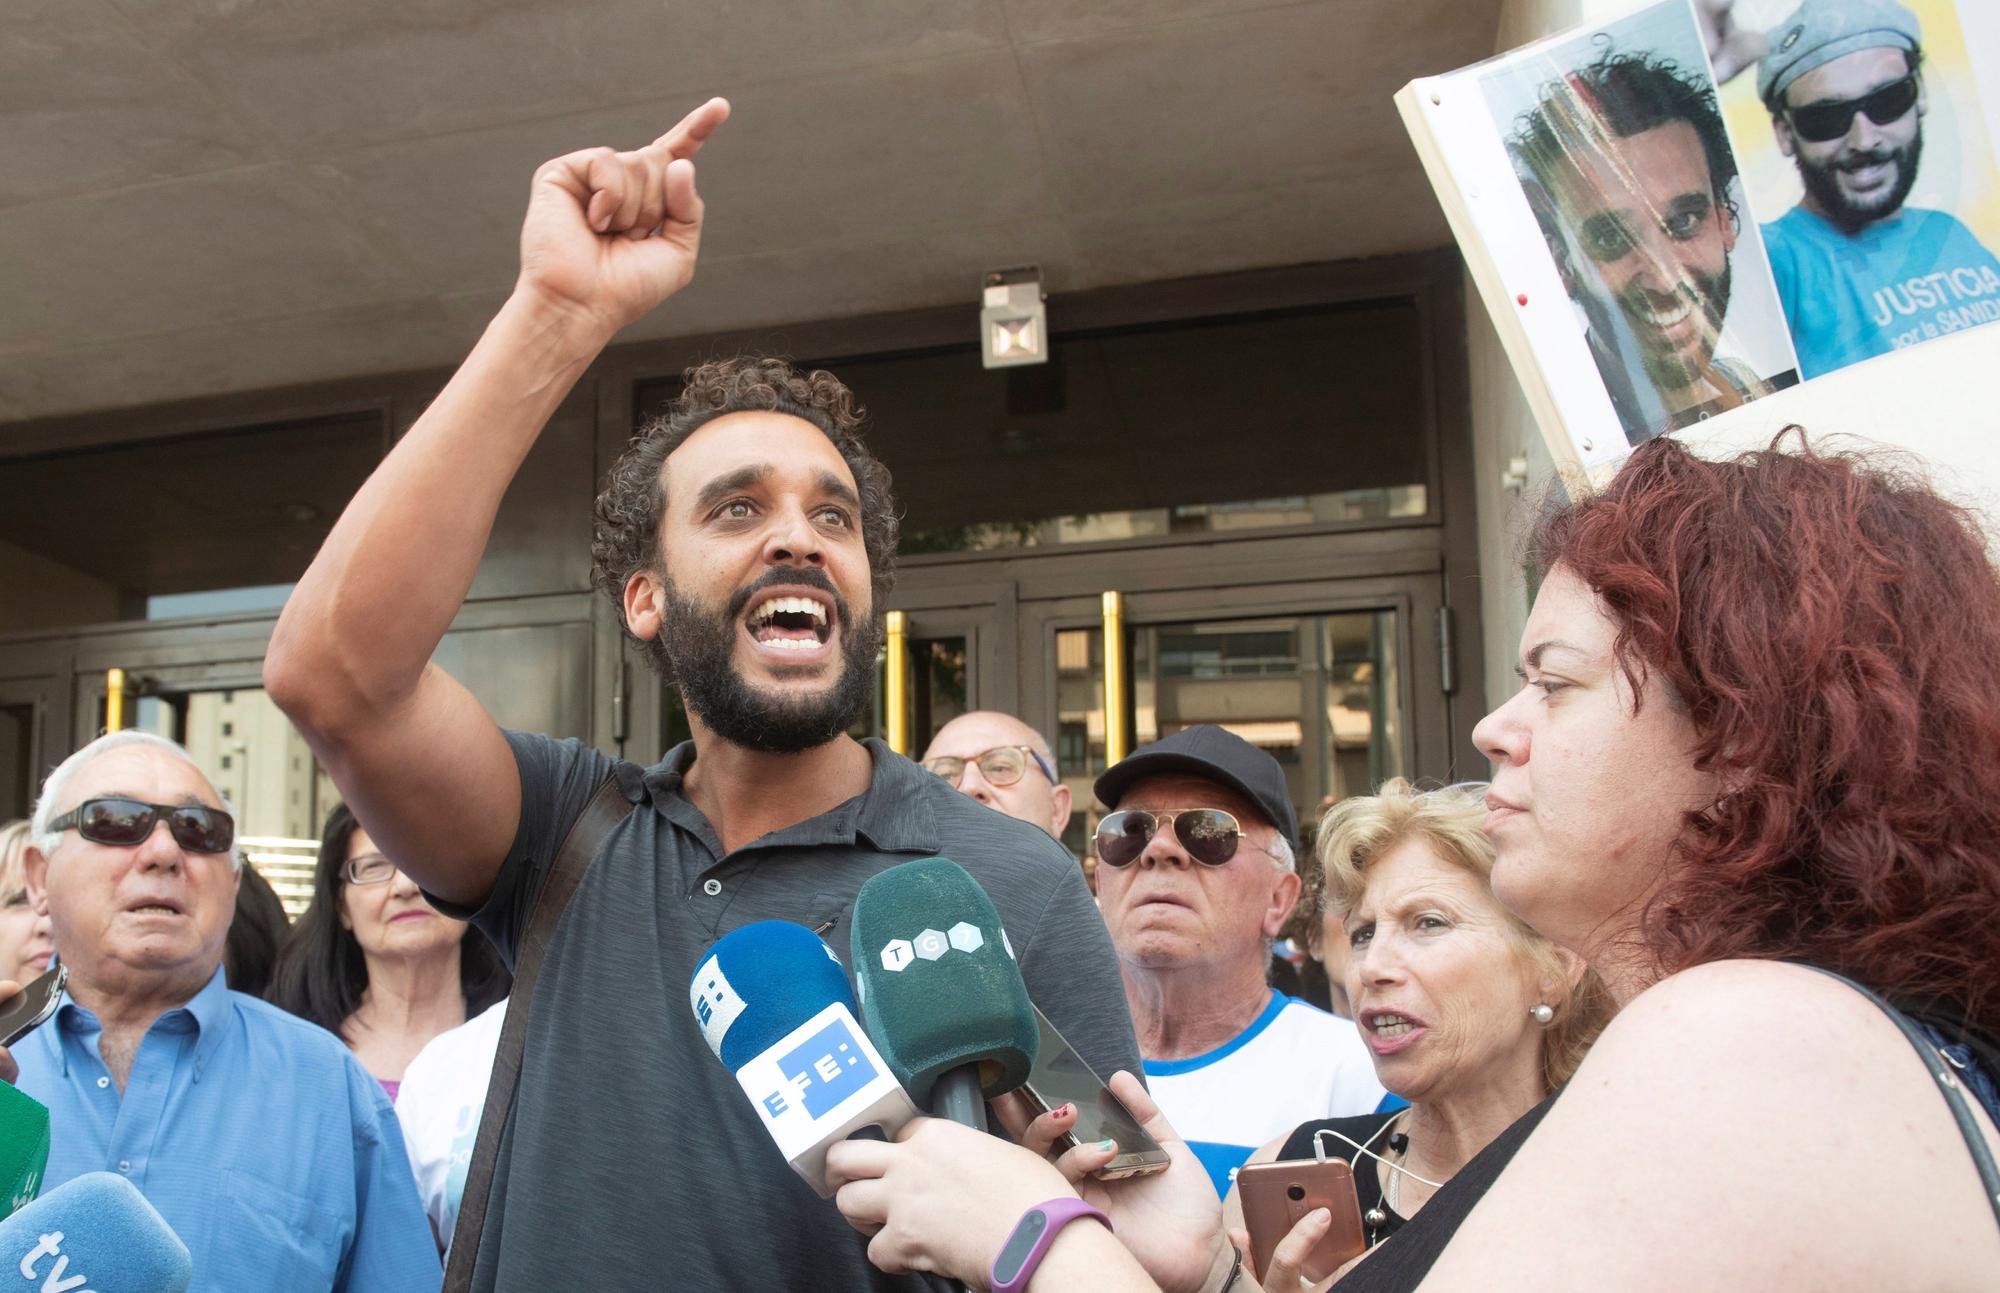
<point>1469,1015</point>
<point>26,946</point>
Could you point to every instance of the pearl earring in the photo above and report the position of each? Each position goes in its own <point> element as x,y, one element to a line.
<point>1542,1013</point>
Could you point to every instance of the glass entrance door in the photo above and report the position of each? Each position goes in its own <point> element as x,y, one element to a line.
<point>21,711</point>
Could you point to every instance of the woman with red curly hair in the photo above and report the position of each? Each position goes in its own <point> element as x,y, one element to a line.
<point>1753,779</point>
<point>1759,732</point>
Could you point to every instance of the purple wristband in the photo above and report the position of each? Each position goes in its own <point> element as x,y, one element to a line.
<point>1029,1243</point>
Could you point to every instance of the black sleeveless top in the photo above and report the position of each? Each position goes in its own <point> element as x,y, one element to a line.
<point>1400,1266</point>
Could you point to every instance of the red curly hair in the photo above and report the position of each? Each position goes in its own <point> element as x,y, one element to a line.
<point>1833,628</point>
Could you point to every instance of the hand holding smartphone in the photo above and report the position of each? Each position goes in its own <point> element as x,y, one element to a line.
<point>1276,1196</point>
<point>28,1009</point>
<point>1059,1077</point>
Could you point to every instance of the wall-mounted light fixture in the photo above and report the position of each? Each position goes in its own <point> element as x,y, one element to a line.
<point>1013,318</point>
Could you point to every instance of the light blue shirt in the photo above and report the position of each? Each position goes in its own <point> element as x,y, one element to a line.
<point>1914,276</point>
<point>266,1146</point>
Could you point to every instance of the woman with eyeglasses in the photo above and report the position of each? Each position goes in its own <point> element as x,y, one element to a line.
<point>371,961</point>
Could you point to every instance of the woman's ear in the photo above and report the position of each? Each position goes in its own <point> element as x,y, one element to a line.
<point>1572,972</point>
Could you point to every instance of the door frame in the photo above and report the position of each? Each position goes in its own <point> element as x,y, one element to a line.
<point>41,696</point>
<point>1034,592</point>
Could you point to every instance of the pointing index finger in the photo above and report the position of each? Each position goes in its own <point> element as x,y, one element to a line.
<point>693,130</point>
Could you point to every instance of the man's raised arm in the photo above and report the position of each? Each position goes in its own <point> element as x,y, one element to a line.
<point>608,236</point>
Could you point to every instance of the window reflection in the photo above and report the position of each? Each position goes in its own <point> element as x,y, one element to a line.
<point>1396,502</point>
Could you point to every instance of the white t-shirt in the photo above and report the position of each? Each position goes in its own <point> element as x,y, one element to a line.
<point>1294,1063</point>
<point>439,1103</point>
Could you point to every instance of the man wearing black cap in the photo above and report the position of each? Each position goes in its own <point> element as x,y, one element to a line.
<point>1861,272</point>
<point>1196,875</point>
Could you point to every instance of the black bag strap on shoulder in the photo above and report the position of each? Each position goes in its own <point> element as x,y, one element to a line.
<point>605,810</point>
<point>1947,1083</point>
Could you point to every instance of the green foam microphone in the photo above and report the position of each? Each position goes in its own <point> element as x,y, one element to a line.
<point>941,994</point>
<point>24,1148</point>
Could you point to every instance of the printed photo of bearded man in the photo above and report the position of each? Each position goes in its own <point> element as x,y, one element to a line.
<point>1860,271</point>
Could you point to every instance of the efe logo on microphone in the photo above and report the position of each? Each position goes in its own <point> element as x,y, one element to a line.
<point>821,1071</point>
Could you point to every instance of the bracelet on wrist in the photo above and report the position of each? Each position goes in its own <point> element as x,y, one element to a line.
<point>1031,1239</point>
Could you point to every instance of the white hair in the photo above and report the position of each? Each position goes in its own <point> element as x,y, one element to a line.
<point>47,808</point>
<point>1280,852</point>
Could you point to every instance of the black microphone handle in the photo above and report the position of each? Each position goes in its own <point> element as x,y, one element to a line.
<point>957,1095</point>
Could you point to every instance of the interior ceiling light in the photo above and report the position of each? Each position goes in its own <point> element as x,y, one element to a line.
<point>1013,318</point>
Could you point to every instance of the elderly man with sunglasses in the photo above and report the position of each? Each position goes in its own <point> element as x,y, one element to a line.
<point>1196,875</point>
<point>1860,272</point>
<point>1001,762</point>
<point>269,1150</point>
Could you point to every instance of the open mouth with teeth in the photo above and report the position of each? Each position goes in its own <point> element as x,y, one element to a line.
<point>790,624</point>
<point>1391,1026</point>
<point>1386,1031</point>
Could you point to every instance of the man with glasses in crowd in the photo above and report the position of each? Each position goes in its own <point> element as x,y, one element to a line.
<point>1196,874</point>
<point>1003,763</point>
<point>263,1143</point>
<point>1860,272</point>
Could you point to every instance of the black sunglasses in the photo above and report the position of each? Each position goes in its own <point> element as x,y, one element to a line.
<point>1208,835</point>
<point>1820,123</point>
<point>124,823</point>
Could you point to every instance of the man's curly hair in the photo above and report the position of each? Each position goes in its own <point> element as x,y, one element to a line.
<point>625,538</point>
<point>1616,97</point>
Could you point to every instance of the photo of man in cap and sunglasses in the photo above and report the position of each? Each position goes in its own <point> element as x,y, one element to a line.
<point>1196,874</point>
<point>1862,272</point>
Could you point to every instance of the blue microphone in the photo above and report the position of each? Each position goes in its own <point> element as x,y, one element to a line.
<point>773,1004</point>
<point>93,1234</point>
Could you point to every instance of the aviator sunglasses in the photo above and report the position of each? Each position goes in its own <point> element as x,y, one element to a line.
<point>124,823</point>
<point>1208,835</point>
<point>1003,765</point>
<point>1821,123</point>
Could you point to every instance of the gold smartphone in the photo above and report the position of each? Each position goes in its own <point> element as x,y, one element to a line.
<point>1060,1076</point>
<point>1277,1195</point>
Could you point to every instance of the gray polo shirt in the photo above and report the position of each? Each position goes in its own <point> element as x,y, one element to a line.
<point>633,1160</point>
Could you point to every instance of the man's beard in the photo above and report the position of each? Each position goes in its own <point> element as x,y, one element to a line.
<point>1847,214</point>
<point>697,645</point>
<point>1677,370</point>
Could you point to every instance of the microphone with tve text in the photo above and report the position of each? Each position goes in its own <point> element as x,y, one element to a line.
<point>24,1148</point>
<point>93,1234</point>
<point>940,991</point>
<point>773,1002</point>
